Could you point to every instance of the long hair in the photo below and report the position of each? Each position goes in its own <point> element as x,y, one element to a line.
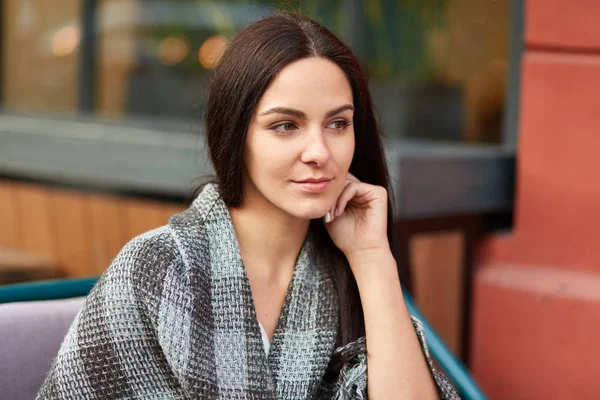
<point>249,64</point>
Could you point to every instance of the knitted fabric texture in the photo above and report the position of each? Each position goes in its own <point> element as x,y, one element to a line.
<point>173,318</point>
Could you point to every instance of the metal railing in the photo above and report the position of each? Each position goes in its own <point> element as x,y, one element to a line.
<point>453,367</point>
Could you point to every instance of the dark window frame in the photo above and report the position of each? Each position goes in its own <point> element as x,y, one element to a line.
<point>88,55</point>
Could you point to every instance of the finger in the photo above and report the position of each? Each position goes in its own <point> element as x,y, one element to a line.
<point>335,211</point>
<point>351,178</point>
<point>362,194</point>
<point>330,215</point>
<point>332,212</point>
<point>347,194</point>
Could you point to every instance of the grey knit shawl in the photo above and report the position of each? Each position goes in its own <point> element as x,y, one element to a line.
<point>173,318</point>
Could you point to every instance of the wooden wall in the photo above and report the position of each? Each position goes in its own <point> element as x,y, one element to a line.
<point>80,233</point>
<point>437,271</point>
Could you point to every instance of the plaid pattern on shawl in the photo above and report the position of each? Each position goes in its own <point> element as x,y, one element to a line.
<point>173,318</point>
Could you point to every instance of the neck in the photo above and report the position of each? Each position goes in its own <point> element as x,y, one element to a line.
<point>269,238</point>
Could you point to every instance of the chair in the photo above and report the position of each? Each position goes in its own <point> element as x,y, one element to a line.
<point>31,335</point>
<point>34,318</point>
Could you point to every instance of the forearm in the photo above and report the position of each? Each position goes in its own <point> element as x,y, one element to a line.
<point>397,367</point>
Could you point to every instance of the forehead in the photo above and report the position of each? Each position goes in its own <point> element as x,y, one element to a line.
<point>310,84</point>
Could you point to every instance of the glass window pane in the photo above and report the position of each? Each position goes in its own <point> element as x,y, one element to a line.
<point>40,44</point>
<point>156,57</point>
<point>437,67</point>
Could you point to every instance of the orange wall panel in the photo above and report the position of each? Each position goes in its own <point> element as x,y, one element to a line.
<point>143,215</point>
<point>10,232</point>
<point>108,229</point>
<point>80,233</point>
<point>437,274</point>
<point>558,190</point>
<point>536,302</point>
<point>168,210</point>
<point>37,219</point>
<point>73,232</point>
<point>565,24</point>
<point>535,333</point>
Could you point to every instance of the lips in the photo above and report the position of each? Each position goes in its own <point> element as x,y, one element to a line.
<point>314,180</point>
<point>314,185</point>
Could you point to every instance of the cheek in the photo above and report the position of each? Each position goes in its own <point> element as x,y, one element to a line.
<point>345,152</point>
<point>344,155</point>
<point>267,160</point>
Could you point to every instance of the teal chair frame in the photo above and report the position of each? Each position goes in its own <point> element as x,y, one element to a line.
<point>66,288</point>
<point>453,367</point>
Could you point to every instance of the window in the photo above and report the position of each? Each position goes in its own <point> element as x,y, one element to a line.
<point>40,52</point>
<point>438,67</point>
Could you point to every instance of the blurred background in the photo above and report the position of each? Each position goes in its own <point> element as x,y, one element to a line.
<point>438,67</point>
<point>101,139</point>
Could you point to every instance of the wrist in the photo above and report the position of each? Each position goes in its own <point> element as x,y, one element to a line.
<point>372,255</point>
<point>372,263</point>
<point>378,281</point>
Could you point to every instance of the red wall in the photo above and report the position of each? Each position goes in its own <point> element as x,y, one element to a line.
<point>536,300</point>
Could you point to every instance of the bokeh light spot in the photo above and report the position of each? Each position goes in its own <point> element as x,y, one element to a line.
<point>65,41</point>
<point>172,50</point>
<point>211,51</point>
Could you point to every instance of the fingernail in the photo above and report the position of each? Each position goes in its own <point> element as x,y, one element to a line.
<point>327,217</point>
<point>336,213</point>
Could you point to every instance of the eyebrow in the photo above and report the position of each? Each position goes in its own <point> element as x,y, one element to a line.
<point>301,115</point>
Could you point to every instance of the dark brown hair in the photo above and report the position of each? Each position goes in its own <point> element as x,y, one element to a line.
<point>249,64</point>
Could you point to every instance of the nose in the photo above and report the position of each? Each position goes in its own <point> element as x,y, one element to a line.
<point>316,150</point>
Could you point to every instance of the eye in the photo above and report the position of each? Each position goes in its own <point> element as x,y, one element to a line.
<point>339,125</point>
<point>284,127</point>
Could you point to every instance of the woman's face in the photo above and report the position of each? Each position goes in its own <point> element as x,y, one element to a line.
<point>300,141</point>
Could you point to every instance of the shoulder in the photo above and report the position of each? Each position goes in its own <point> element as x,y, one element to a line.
<point>172,245</point>
<point>150,250</point>
<point>143,263</point>
<point>171,257</point>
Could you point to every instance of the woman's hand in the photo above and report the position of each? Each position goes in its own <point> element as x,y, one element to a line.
<point>394,356</point>
<point>357,221</point>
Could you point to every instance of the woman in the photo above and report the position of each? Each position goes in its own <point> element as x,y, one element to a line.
<point>248,292</point>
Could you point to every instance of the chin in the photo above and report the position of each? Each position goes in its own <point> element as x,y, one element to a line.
<point>308,211</point>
